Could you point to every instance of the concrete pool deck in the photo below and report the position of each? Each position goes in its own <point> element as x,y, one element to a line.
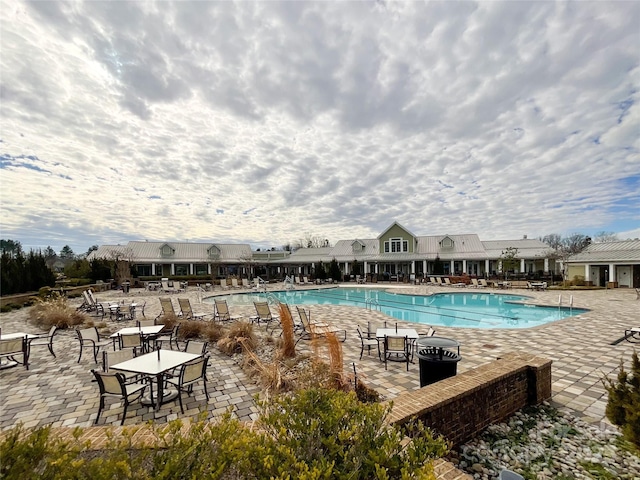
<point>59,391</point>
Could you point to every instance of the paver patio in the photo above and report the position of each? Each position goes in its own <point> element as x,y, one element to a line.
<point>60,391</point>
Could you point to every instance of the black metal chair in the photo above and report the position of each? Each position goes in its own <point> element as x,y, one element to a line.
<point>191,373</point>
<point>114,385</point>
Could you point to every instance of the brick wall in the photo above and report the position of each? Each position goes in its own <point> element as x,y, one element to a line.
<point>461,407</point>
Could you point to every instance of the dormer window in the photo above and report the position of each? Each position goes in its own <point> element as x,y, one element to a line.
<point>396,245</point>
<point>357,246</point>
<point>167,250</point>
<point>446,242</point>
<point>214,252</point>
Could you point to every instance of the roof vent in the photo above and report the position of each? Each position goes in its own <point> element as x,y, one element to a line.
<point>524,237</point>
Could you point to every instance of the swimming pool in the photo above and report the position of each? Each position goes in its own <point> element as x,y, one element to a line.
<point>464,309</point>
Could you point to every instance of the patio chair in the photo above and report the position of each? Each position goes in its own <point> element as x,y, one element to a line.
<point>234,283</point>
<point>171,337</point>
<point>191,373</point>
<point>196,346</point>
<point>186,312</point>
<point>483,283</point>
<point>263,314</point>
<point>367,342</point>
<point>166,288</point>
<point>223,284</point>
<point>118,356</point>
<point>14,347</point>
<point>221,312</point>
<point>245,283</point>
<point>167,308</point>
<point>398,348</point>
<point>43,340</point>
<point>131,341</point>
<point>145,323</point>
<point>114,385</point>
<point>90,338</point>
<point>632,335</point>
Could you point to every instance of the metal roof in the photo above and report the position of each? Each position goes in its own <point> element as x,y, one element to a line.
<point>614,252</point>
<point>527,248</point>
<point>184,252</point>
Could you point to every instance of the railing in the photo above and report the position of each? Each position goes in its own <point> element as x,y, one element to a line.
<point>261,285</point>
<point>370,303</point>
<point>289,283</point>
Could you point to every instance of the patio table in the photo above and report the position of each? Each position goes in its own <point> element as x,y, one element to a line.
<point>155,365</point>
<point>146,332</point>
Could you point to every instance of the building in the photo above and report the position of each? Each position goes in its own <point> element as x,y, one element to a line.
<point>396,254</point>
<point>612,264</point>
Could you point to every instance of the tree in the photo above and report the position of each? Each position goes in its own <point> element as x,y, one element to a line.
<point>605,237</point>
<point>334,271</point>
<point>10,247</point>
<point>310,241</point>
<point>49,253</point>
<point>554,240</point>
<point>320,272</point>
<point>438,266</point>
<point>356,266</point>
<point>66,252</point>
<point>92,248</point>
<point>509,259</point>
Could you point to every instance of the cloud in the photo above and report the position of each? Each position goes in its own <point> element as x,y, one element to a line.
<point>256,122</point>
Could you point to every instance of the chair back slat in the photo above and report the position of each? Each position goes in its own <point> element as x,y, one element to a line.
<point>146,323</point>
<point>193,370</point>
<point>90,333</point>
<point>11,345</point>
<point>130,341</point>
<point>196,347</point>
<point>111,383</point>
<point>111,358</point>
<point>396,344</point>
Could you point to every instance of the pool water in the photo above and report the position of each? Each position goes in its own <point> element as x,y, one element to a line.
<point>464,309</point>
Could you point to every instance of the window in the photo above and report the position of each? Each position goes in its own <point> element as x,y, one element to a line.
<point>166,251</point>
<point>182,269</point>
<point>201,269</point>
<point>143,270</point>
<point>396,245</point>
<point>446,242</point>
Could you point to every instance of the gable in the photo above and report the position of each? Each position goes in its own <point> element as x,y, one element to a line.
<point>167,250</point>
<point>397,239</point>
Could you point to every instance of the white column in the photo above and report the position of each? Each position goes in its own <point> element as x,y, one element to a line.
<point>346,268</point>
<point>366,270</point>
<point>424,267</point>
<point>451,269</point>
<point>486,267</point>
<point>153,268</point>
<point>464,266</point>
<point>173,269</point>
<point>192,270</point>
<point>546,265</point>
<point>587,272</point>
<point>522,265</point>
<point>612,272</point>
<point>413,266</point>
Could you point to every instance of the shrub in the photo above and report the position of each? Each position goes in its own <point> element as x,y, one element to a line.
<point>623,404</point>
<point>239,337</point>
<point>191,329</point>
<point>5,308</point>
<point>314,434</point>
<point>55,311</point>
<point>332,434</point>
<point>213,332</point>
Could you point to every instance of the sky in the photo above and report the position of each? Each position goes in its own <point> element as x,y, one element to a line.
<point>268,122</point>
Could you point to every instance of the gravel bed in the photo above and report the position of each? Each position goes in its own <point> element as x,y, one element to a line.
<point>543,443</point>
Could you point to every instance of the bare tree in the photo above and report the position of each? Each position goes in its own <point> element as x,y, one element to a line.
<point>310,241</point>
<point>123,259</point>
<point>248,262</point>
<point>509,259</point>
<point>605,237</point>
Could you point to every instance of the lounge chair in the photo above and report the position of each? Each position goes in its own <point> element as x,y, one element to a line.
<point>483,283</point>
<point>263,314</point>
<point>14,347</point>
<point>166,288</point>
<point>311,330</point>
<point>223,284</point>
<point>234,283</point>
<point>167,308</point>
<point>221,313</point>
<point>245,283</point>
<point>187,313</point>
